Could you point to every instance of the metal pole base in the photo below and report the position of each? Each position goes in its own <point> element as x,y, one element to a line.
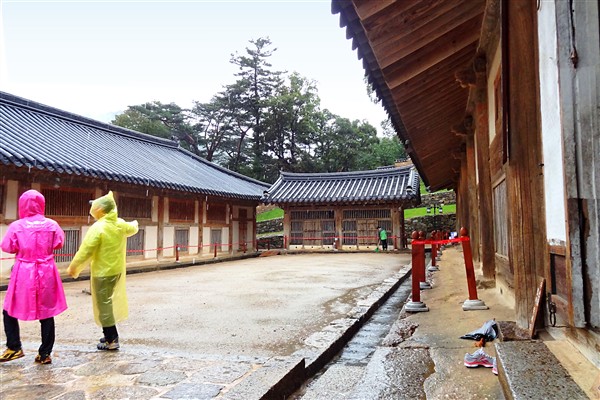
<point>424,285</point>
<point>470,305</point>
<point>438,258</point>
<point>415,306</point>
<point>433,268</point>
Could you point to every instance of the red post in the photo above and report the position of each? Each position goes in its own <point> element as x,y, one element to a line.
<point>433,249</point>
<point>176,252</point>
<point>245,247</point>
<point>215,250</point>
<point>466,245</point>
<point>285,242</point>
<point>418,254</point>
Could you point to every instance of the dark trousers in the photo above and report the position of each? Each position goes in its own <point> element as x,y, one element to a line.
<point>384,244</point>
<point>13,334</point>
<point>110,333</point>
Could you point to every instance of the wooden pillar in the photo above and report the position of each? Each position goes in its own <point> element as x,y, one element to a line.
<point>482,151</point>
<point>526,223</point>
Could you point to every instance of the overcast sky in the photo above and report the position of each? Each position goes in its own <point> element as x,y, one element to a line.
<point>95,58</point>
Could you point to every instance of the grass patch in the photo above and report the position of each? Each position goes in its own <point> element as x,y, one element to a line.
<point>271,214</point>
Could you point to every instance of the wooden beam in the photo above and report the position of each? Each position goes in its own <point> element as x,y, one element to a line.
<point>370,10</point>
<point>423,59</point>
<point>399,44</point>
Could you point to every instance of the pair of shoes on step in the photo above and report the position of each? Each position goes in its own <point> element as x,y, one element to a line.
<point>106,345</point>
<point>10,355</point>
<point>481,359</point>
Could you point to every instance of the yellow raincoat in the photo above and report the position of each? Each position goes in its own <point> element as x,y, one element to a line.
<point>105,245</point>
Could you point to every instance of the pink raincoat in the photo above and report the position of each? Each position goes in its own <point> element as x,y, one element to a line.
<point>35,289</point>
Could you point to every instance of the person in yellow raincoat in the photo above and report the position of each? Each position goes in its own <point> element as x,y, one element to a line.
<point>105,246</point>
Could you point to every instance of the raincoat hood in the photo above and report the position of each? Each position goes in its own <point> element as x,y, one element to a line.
<point>104,205</point>
<point>31,203</point>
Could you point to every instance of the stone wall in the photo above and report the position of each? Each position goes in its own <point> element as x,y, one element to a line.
<point>272,225</point>
<point>448,197</point>
<point>428,223</point>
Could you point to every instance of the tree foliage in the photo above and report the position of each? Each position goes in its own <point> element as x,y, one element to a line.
<point>265,122</point>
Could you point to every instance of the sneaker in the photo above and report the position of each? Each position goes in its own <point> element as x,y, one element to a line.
<point>10,355</point>
<point>43,359</point>
<point>495,367</point>
<point>105,345</point>
<point>478,359</point>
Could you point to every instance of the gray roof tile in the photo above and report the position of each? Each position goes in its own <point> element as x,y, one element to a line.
<point>33,135</point>
<point>384,185</point>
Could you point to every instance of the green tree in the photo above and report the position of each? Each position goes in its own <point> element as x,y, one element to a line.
<point>256,83</point>
<point>151,115</point>
<point>289,121</point>
<point>135,120</point>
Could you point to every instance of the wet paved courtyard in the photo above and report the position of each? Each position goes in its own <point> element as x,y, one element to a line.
<point>198,332</point>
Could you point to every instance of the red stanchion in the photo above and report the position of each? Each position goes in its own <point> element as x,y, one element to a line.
<point>473,303</point>
<point>215,255</point>
<point>176,252</point>
<point>418,270</point>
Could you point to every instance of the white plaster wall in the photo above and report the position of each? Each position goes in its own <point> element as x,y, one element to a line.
<point>169,241</point>
<point>155,200</point>
<point>12,199</point>
<point>236,236</point>
<point>554,194</point>
<point>193,240</point>
<point>225,238</point>
<point>494,67</point>
<point>150,241</point>
<point>249,237</point>
<point>206,240</point>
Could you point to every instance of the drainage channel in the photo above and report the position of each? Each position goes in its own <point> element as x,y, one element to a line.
<point>359,349</point>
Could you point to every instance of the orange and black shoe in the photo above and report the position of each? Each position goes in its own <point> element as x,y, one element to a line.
<point>10,355</point>
<point>106,345</point>
<point>40,359</point>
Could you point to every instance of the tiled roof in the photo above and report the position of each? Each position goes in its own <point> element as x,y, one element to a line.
<point>33,135</point>
<point>376,186</point>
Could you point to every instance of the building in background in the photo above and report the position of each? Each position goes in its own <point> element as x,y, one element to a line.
<point>343,210</point>
<point>185,205</point>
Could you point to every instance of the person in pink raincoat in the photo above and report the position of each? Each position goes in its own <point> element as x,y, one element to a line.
<point>35,290</point>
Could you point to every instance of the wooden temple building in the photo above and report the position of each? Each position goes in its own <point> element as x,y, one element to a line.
<point>343,210</point>
<point>186,206</point>
<point>499,100</point>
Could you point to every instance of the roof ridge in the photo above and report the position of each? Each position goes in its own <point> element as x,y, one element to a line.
<point>35,106</point>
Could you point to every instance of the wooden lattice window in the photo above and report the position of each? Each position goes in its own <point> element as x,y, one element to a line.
<point>67,203</point>
<point>349,232</point>
<point>367,214</point>
<point>297,233</point>
<point>318,214</point>
<point>181,210</point>
<point>135,244</point>
<point>328,231</point>
<point>500,220</point>
<point>216,212</point>
<point>182,240</point>
<point>70,246</point>
<point>134,207</point>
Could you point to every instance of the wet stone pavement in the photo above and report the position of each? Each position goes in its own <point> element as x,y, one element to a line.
<point>125,374</point>
<point>242,365</point>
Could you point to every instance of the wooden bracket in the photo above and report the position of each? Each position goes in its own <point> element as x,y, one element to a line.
<point>465,77</point>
